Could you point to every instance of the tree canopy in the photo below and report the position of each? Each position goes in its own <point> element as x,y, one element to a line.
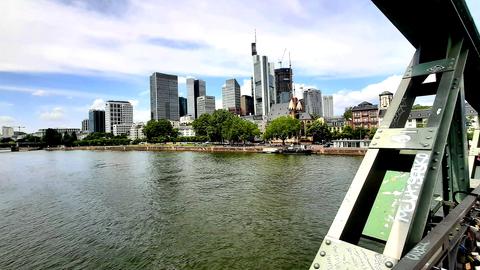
<point>320,131</point>
<point>282,128</point>
<point>159,130</point>
<point>52,137</point>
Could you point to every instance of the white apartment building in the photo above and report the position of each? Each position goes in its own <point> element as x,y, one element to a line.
<point>136,131</point>
<point>7,132</point>
<point>121,129</point>
<point>118,113</point>
<point>186,131</point>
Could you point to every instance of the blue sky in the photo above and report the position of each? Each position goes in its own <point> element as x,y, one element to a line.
<point>62,57</point>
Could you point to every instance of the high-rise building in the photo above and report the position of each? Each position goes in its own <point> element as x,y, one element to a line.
<point>7,132</point>
<point>85,125</point>
<point>195,89</point>
<point>231,96</point>
<point>283,84</point>
<point>182,106</point>
<point>205,104</point>
<point>312,99</point>
<point>246,105</point>
<point>327,104</point>
<point>264,94</point>
<point>96,121</point>
<point>164,97</point>
<point>118,113</point>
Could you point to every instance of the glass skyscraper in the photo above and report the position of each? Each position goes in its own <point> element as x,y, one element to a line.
<point>164,97</point>
<point>195,89</point>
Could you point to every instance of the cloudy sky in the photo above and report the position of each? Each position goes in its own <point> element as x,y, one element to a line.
<point>59,58</point>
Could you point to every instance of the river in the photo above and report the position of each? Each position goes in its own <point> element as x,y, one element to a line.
<point>167,210</point>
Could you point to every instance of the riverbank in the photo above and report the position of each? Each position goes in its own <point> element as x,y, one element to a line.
<point>316,149</point>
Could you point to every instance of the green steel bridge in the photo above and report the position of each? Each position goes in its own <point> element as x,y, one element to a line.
<point>413,203</point>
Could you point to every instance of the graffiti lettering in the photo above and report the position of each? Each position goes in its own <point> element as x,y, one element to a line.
<point>418,251</point>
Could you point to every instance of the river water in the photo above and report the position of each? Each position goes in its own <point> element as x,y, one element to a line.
<point>163,210</point>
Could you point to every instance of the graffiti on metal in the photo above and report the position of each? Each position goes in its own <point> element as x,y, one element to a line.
<point>412,190</point>
<point>418,251</point>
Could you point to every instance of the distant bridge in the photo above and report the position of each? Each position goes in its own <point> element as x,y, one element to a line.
<point>401,209</point>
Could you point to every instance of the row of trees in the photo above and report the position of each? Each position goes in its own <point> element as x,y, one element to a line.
<point>222,125</point>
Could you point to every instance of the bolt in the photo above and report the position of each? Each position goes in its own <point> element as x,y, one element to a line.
<point>374,143</point>
<point>377,137</point>
<point>434,168</point>
<point>428,137</point>
<point>437,153</point>
<point>435,159</point>
<point>322,253</point>
<point>389,264</point>
<point>316,266</point>
<point>380,131</point>
<point>426,145</point>
<point>430,130</point>
<point>328,242</point>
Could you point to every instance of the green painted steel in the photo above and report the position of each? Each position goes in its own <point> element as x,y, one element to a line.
<point>380,219</point>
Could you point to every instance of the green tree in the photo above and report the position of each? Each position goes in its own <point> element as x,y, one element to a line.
<point>52,137</point>
<point>237,129</point>
<point>201,124</point>
<point>420,107</point>
<point>158,128</point>
<point>218,123</point>
<point>348,113</point>
<point>320,132</point>
<point>282,128</point>
<point>347,133</point>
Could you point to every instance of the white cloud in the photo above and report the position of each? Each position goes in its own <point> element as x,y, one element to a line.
<point>322,43</point>
<point>348,98</point>
<point>98,104</point>
<point>56,114</point>
<point>141,115</point>
<point>134,102</point>
<point>246,87</point>
<point>218,103</point>
<point>6,120</point>
<point>5,105</point>
<point>40,93</point>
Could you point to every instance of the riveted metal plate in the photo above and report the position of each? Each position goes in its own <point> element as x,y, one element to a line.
<point>404,138</point>
<point>432,67</point>
<point>342,255</point>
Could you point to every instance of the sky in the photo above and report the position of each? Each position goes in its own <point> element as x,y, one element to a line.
<point>60,58</point>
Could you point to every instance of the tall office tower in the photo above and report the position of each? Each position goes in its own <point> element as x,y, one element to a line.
<point>327,104</point>
<point>96,121</point>
<point>195,89</point>
<point>283,85</point>
<point>312,100</point>
<point>85,125</point>
<point>118,113</point>
<point>164,97</point>
<point>263,83</point>
<point>182,106</point>
<point>246,105</point>
<point>231,96</point>
<point>205,104</point>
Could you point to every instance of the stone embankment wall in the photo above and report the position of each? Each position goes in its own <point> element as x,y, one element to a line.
<point>218,148</point>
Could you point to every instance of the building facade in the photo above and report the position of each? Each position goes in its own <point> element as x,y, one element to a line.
<point>96,121</point>
<point>365,115</point>
<point>118,113</point>
<point>164,101</point>
<point>246,105</point>
<point>7,132</point>
<point>283,85</point>
<point>41,132</point>
<point>264,94</point>
<point>205,104</point>
<point>231,96</point>
<point>186,131</point>
<point>312,99</point>
<point>85,125</point>
<point>385,99</point>
<point>195,89</point>
<point>327,104</point>
<point>136,131</point>
<point>121,129</point>
<point>182,106</point>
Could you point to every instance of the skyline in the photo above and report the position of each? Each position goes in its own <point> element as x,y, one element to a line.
<point>54,68</point>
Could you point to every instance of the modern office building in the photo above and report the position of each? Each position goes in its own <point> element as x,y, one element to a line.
<point>7,132</point>
<point>205,104</point>
<point>136,131</point>
<point>264,94</point>
<point>327,104</point>
<point>164,97</point>
<point>121,129</point>
<point>182,106</point>
<point>85,125</point>
<point>118,113</point>
<point>283,84</point>
<point>231,96</point>
<point>195,89</point>
<point>312,100</point>
<point>246,105</point>
<point>41,132</point>
<point>96,121</point>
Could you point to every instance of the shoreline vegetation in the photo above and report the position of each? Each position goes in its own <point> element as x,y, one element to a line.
<point>316,149</point>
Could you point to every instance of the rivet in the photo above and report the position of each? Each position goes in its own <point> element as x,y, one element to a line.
<point>435,159</point>
<point>430,130</point>
<point>328,242</point>
<point>437,153</point>
<point>428,137</point>
<point>380,131</point>
<point>374,143</point>
<point>389,264</point>
<point>377,137</point>
<point>316,266</point>
<point>322,253</point>
<point>434,168</point>
<point>426,145</point>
